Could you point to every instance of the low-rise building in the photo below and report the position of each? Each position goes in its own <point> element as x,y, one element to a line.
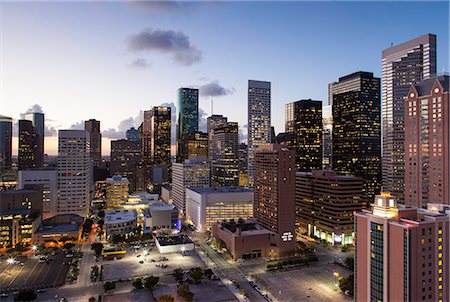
<point>161,215</point>
<point>166,194</point>
<point>245,240</point>
<point>174,244</point>
<point>116,189</point>
<point>204,206</point>
<point>53,229</point>
<point>120,222</point>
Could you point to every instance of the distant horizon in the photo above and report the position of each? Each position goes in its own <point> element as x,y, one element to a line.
<point>111,60</point>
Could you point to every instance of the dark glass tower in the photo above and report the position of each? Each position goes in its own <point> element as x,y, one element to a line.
<point>357,130</point>
<point>187,119</point>
<point>5,143</point>
<point>27,145</point>
<point>225,160</point>
<point>307,134</point>
<point>160,144</point>
<point>38,120</point>
<point>93,127</point>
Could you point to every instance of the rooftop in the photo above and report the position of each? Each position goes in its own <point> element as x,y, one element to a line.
<point>161,206</point>
<point>113,216</point>
<point>221,190</point>
<point>173,240</point>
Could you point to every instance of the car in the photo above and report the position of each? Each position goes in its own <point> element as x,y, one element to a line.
<point>69,255</point>
<point>41,261</point>
<point>41,291</point>
<point>141,262</point>
<point>4,295</point>
<point>138,256</point>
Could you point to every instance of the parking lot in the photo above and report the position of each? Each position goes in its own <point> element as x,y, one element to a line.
<point>315,283</point>
<point>138,263</point>
<point>32,273</point>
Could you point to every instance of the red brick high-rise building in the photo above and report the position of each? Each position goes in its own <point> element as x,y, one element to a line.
<point>427,115</point>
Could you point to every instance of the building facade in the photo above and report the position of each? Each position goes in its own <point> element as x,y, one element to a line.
<point>133,134</point>
<point>327,137</point>
<point>116,191</point>
<point>212,122</point>
<point>258,120</point>
<point>402,65</point>
<point>38,121</point>
<point>5,142</point>
<point>427,121</point>
<point>196,144</point>
<point>95,145</point>
<point>187,119</point>
<point>274,194</point>
<point>195,173</point>
<point>74,172</point>
<point>357,130</point>
<point>49,181</point>
<point>205,206</point>
<point>225,156</point>
<point>161,136</point>
<point>325,203</point>
<point>401,254</point>
<point>120,222</point>
<point>126,161</point>
<point>27,145</point>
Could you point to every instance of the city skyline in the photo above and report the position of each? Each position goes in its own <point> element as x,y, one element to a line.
<point>99,58</point>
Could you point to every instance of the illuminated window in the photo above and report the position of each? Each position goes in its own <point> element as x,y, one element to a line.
<point>440,262</point>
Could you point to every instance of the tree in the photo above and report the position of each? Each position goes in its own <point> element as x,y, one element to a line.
<point>150,282</point>
<point>137,283</point>
<point>101,223</point>
<point>26,295</point>
<point>197,275</point>
<point>68,245</point>
<point>346,285</point>
<point>184,292</point>
<point>178,274</point>
<point>97,247</point>
<point>87,226</point>
<point>101,214</point>
<point>208,273</point>
<point>350,263</point>
<point>92,299</point>
<point>109,286</point>
<point>165,298</point>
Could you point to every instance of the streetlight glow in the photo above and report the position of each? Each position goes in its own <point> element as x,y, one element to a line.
<point>34,247</point>
<point>10,261</point>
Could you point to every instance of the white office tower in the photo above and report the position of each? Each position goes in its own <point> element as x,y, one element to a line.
<point>74,172</point>
<point>258,120</point>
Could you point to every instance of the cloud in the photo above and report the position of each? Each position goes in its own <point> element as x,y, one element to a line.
<point>202,115</point>
<point>174,43</point>
<point>49,130</point>
<point>77,126</point>
<point>140,63</point>
<point>33,109</point>
<point>243,133</point>
<point>160,6</point>
<point>123,126</point>
<point>214,89</point>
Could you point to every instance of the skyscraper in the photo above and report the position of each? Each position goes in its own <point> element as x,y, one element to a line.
<point>5,142</point>
<point>258,120</point>
<point>402,65</point>
<point>187,119</point>
<point>357,130</point>
<point>327,137</point>
<point>146,138</point>
<point>307,132</point>
<point>196,144</point>
<point>193,173</point>
<point>160,136</point>
<point>126,161</point>
<point>401,254</point>
<point>225,161</point>
<point>38,120</point>
<point>274,194</point>
<point>27,145</point>
<point>427,133</point>
<point>74,172</point>
<point>133,134</point>
<point>93,127</point>
<point>212,122</point>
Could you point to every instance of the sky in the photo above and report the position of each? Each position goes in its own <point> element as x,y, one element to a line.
<point>111,60</point>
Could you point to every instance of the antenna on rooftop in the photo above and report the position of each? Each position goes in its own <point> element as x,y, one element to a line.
<point>212,106</point>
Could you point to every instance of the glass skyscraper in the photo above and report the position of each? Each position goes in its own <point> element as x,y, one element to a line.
<point>38,120</point>
<point>5,142</point>
<point>187,119</point>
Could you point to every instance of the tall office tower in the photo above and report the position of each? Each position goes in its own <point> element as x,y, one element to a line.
<point>243,158</point>
<point>225,160</point>
<point>160,136</point>
<point>193,173</point>
<point>196,144</point>
<point>402,65</point>
<point>5,143</point>
<point>289,118</point>
<point>327,137</point>
<point>401,254</point>
<point>93,127</point>
<point>146,138</point>
<point>38,120</point>
<point>48,179</point>
<point>357,130</point>
<point>212,122</point>
<point>307,129</point>
<point>133,134</point>
<point>126,161</point>
<point>427,116</point>
<point>74,172</point>
<point>187,119</point>
<point>274,193</point>
<point>258,120</point>
<point>273,136</point>
<point>27,145</point>
<point>325,203</point>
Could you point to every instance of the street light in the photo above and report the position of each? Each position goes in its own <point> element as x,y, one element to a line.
<point>34,247</point>
<point>10,261</point>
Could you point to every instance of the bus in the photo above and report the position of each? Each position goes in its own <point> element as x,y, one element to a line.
<point>110,253</point>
